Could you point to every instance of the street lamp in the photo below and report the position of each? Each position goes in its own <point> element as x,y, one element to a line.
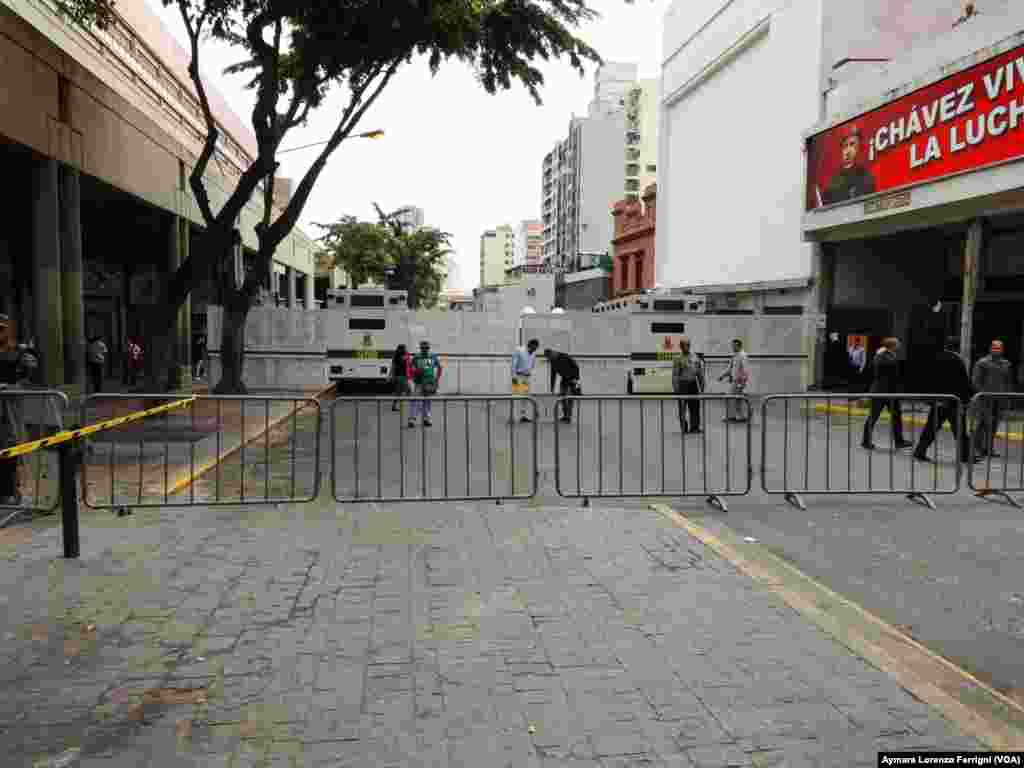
<point>374,134</point>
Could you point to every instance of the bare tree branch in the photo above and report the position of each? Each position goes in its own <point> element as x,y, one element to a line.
<point>350,118</point>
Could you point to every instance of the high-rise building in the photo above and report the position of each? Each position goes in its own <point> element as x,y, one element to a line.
<point>528,248</point>
<point>411,217</point>
<point>609,154</point>
<point>612,83</point>
<point>641,137</point>
<point>496,253</point>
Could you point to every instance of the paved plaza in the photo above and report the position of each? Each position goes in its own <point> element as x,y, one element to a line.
<point>533,633</point>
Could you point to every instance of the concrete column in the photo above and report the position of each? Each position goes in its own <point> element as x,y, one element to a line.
<point>972,257</point>
<point>177,252</point>
<point>310,279</point>
<point>290,276</point>
<point>71,279</point>
<point>46,287</point>
<point>824,267</point>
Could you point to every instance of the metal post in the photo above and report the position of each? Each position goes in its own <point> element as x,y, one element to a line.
<point>972,253</point>
<point>69,455</point>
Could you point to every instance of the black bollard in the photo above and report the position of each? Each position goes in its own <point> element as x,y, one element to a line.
<point>68,454</point>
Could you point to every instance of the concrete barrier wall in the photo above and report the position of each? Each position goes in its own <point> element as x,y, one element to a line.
<point>287,347</point>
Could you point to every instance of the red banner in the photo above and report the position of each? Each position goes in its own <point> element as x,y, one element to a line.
<point>963,122</point>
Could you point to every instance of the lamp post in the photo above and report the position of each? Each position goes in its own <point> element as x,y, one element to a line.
<point>268,189</point>
<point>374,134</point>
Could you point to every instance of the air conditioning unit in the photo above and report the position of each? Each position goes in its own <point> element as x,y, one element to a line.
<point>696,305</point>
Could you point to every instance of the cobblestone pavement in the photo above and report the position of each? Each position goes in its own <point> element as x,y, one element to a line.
<point>519,635</point>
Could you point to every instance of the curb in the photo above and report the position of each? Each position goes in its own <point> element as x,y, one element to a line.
<point>187,478</point>
<point>975,707</point>
<point>915,420</point>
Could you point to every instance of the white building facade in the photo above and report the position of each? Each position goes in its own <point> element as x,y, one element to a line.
<point>496,253</point>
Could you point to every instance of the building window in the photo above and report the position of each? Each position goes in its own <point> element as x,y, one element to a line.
<point>632,185</point>
<point>632,169</point>
<point>651,167</point>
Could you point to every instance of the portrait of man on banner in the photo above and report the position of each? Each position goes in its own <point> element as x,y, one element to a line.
<point>852,179</point>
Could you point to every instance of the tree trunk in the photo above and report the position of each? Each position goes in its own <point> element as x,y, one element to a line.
<point>232,344</point>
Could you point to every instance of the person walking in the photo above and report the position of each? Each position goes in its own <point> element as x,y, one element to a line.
<point>426,375</point>
<point>134,362</point>
<point>949,375</point>
<point>886,380</point>
<point>738,375</point>
<point>992,373</point>
<point>688,379</point>
<point>567,370</point>
<point>96,361</point>
<point>523,360</point>
<point>401,374</point>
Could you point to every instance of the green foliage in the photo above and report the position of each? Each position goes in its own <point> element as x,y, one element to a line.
<point>361,248</point>
<point>386,251</point>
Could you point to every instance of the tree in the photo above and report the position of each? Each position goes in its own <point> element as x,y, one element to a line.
<point>361,248</point>
<point>410,260</point>
<point>417,257</point>
<point>296,51</point>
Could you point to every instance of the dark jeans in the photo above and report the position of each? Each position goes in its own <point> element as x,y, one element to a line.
<point>985,426</point>
<point>566,389</point>
<point>96,376</point>
<point>401,388</point>
<point>940,414</point>
<point>693,406</point>
<point>895,413</point>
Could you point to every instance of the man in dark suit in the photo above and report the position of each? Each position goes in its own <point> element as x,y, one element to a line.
<point>887,380</point>
<point>949,376</point>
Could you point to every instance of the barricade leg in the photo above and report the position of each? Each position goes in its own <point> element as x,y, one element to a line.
<point>69,455</point>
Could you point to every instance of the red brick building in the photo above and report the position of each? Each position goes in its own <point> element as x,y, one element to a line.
<point>633,244</point>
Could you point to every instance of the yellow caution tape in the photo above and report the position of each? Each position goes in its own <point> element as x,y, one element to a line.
<point>75,434</point>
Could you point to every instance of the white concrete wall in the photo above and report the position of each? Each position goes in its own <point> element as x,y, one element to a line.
<point>738,81</point>
<point>287,348</point>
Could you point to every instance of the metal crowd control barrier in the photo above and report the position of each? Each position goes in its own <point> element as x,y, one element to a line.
<point>475,448</point>
<point>649,454</point>
<point>223,450</point>
<point>997,445</point>
<point>29,476</point>
<point>819,447</point>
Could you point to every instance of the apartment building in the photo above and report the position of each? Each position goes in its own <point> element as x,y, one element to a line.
<point>528,248</point>
<point>607,155</point>
<point>641,136</point>
<point>411,217</point>
<point>496,253</point>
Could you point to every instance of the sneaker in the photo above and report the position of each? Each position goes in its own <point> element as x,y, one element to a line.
<point>525,419</point>
<point>395,409</point>
<point>923,458</point>
<point>868,446</point>
<point>428,423</point>
<point>995,455</point>
<point>412,423</point>
<point>695,431</point>
<point>904,444</point>
<point>565,420</point>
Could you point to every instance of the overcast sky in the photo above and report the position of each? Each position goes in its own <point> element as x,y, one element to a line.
<point>470,160</point>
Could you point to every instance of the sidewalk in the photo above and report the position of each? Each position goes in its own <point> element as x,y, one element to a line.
<point>469,635</point>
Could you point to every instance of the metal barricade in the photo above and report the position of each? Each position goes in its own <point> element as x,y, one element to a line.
<point>997,445</point>
<point>813,444</point>
<point>635,447</point>
<point>464,448</point>
<point>30,481</point>
<point>214,450</point>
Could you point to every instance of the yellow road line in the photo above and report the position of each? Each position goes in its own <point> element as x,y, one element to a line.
<point>975,707</point>
<point>74,434</point>
<point>916,420</point>
<point>188,477</point>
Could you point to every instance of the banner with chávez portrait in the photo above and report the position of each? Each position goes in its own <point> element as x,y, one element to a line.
<point>963,122</point>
